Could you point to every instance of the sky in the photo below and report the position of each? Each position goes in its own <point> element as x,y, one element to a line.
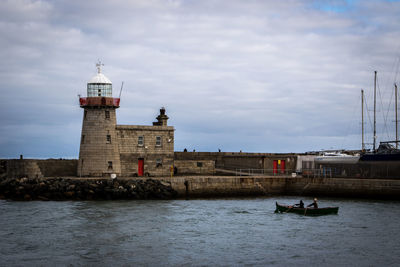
<point>256,75</point>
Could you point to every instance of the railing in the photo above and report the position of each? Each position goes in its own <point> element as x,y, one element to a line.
<point>320,173</point>
<point>262,172</point>
<point>99,102</point>
<point>310,173</point>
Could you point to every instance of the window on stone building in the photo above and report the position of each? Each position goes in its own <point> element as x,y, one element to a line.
<point>108,139</point>
<point>107,114</point>
<point>83,139</point>
<point>158,140</point>
<point>140,141</point>
<point>110,167</point>
<point>158,162</point>
<point>199,164</point>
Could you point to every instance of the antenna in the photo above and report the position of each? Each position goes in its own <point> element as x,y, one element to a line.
<point>120,92</point>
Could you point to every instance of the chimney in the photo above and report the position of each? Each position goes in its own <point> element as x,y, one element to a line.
<point>161,119</point>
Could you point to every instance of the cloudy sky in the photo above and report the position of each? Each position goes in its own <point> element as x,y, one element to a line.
<point>254,75</point>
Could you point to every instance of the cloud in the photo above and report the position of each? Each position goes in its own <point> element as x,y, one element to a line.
<point>265,76</point>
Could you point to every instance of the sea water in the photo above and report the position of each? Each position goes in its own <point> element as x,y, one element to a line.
<point>212,232</point>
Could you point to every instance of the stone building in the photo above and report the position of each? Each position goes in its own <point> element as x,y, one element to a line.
<point>125,150</point>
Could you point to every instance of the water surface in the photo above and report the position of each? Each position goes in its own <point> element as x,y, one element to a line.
<point>221,232</point>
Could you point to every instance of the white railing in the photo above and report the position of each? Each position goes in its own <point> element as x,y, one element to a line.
<point>262,172</point>
<point>310,173</point>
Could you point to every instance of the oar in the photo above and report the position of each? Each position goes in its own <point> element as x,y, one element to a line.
<point>289,209</point>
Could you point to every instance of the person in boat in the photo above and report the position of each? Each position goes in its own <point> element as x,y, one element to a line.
<point>300,204</point>
<point>314,204</point>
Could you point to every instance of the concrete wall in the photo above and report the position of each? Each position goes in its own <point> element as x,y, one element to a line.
<point>203,167</point>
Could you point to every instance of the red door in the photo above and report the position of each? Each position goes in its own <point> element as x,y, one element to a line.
<point>282,166</point>
<point>140,167</point>
<point>275,167</point>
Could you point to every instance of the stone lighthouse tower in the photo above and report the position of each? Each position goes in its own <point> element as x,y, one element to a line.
<point>99,153</point>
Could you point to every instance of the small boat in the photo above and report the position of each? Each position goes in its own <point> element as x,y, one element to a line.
<point>280,208</point>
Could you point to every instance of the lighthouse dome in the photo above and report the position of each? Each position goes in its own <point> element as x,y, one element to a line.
<point>100,78</point>
<point>99,85</point>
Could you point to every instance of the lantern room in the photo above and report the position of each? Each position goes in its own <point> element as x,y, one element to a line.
<point>99,92</point>
<point>99,85</point>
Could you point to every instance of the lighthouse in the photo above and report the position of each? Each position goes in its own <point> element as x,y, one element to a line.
<point>99,152</point>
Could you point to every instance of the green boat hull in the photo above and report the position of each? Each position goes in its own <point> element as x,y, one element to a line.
<point>280,208</point>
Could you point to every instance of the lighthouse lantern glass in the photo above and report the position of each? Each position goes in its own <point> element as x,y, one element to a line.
<point>97,89</point>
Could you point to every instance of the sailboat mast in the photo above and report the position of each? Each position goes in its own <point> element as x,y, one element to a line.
<point>374,112</point>
<point>362,121</point>
<point>397,121</point>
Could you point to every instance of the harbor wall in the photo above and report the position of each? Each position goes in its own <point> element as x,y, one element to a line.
<point>204,187</point>
<point>227,186</point>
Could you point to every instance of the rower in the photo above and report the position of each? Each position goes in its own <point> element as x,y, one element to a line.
<point>300,205</point>
<point>315,204</point>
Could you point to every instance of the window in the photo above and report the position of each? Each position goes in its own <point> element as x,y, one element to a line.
<point>108,139</point>
<point>140,141</point>
<point>110,165</point>
<point>107,114</point>
<point>158,162</point>
<point>158,140</point>
<point>83,139</point>
<point>199,164</point>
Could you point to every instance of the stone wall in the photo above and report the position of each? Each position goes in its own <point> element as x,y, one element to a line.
<point>35,168</point>
<point>220,186</point>
<point>202,167</point>
<point>241,160</point>
<point>58,167</point>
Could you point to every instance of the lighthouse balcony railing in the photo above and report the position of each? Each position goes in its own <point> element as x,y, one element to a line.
<point>99,102</point>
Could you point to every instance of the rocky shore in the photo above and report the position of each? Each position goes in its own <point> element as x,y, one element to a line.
<point>84,189</point>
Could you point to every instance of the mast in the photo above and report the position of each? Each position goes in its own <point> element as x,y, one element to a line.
<point>362,121</point>
<point>395,97</point>
<point>374,112</point>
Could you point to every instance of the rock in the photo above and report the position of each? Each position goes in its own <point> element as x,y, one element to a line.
<point>93,186</point>
<point>69,194</point>
<point>61,189</point>
<point>71,187</point>
<point>43,198</point>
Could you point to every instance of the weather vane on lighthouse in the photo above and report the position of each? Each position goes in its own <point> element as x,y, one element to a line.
<point>98,66</point>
